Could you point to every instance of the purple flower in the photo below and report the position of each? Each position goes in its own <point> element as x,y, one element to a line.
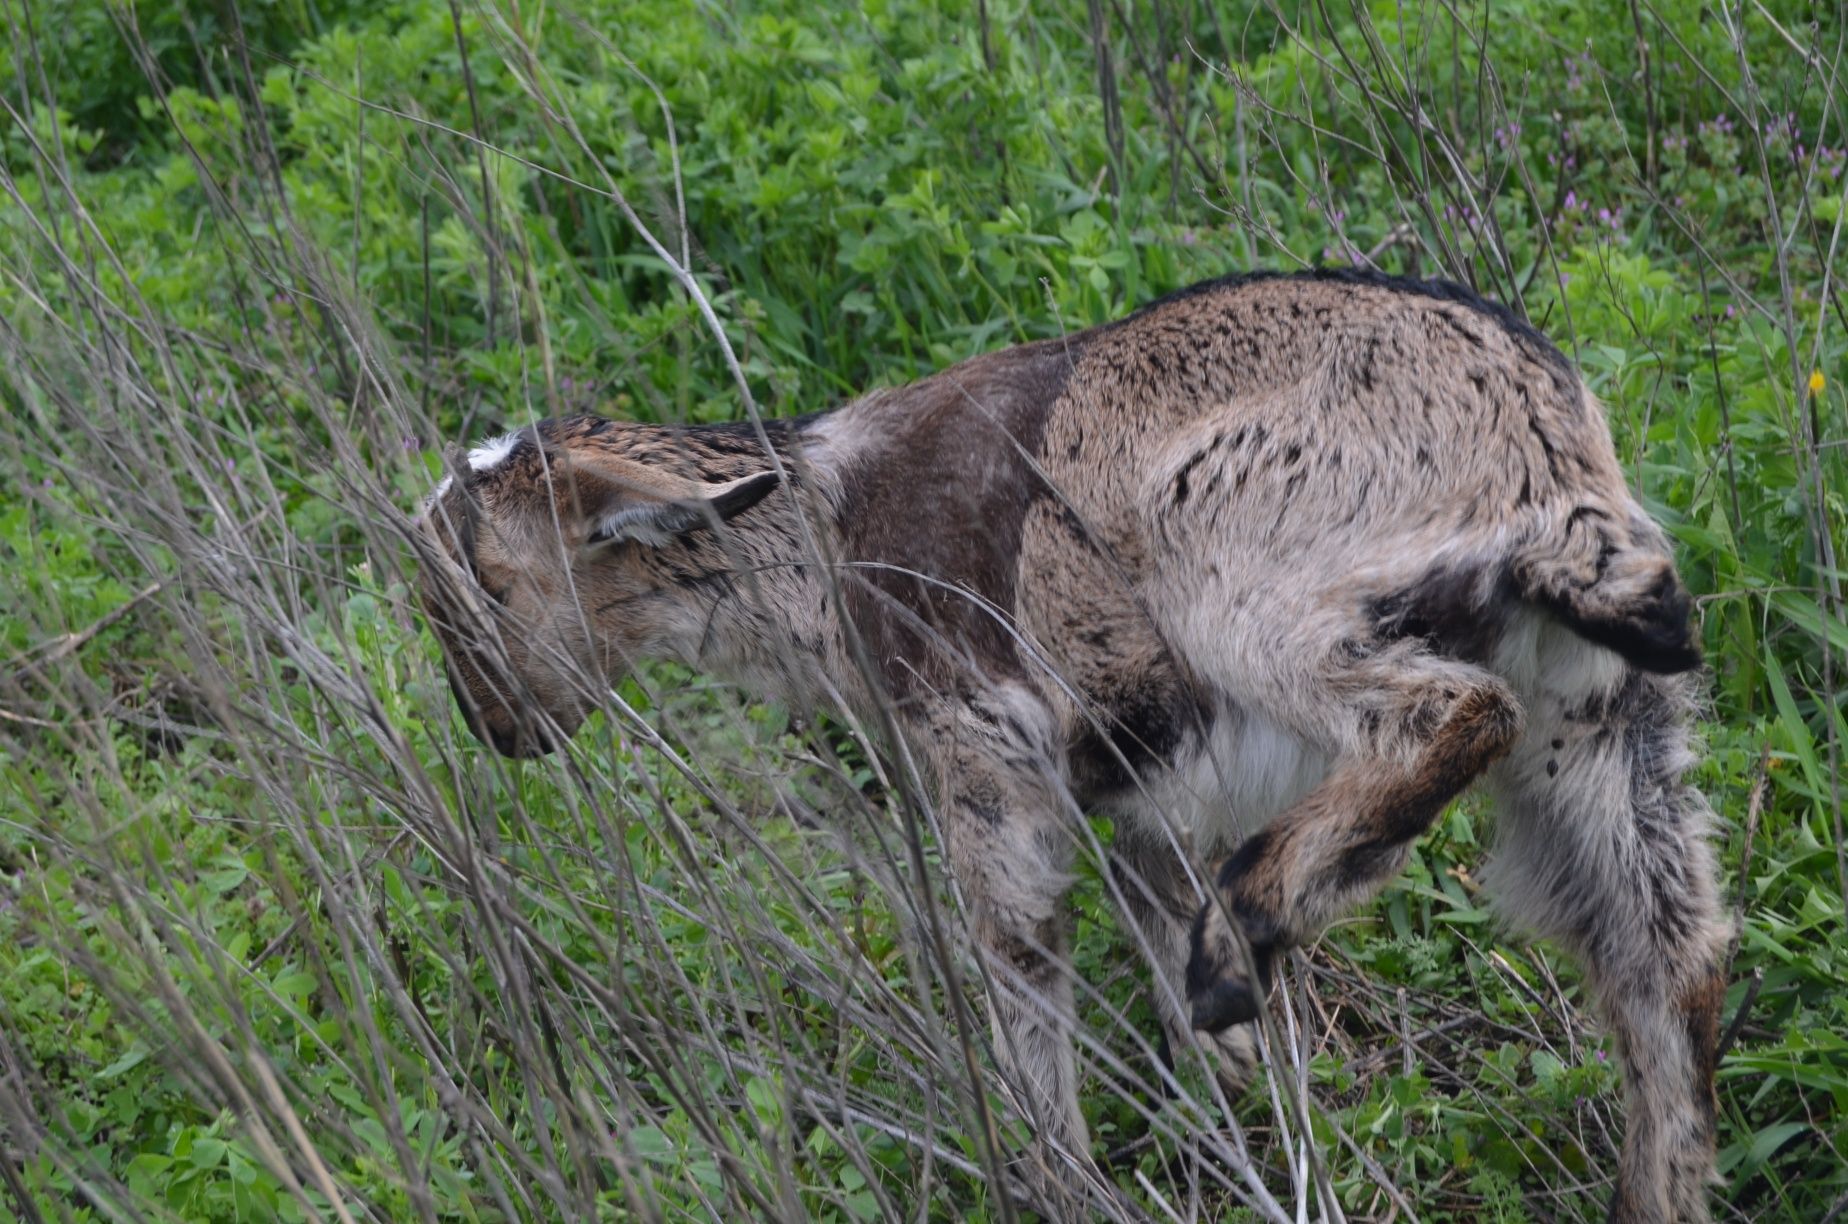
<point>1575,66</point>
<point>1347,251</point>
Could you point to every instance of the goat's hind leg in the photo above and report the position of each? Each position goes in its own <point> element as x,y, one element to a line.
<point>1601,846</point>
<point>1409,731</point>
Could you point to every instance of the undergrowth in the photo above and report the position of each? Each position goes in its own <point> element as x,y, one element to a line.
<point>279,940</point>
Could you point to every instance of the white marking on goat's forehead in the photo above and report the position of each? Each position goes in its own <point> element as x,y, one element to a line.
<point>490,454</point>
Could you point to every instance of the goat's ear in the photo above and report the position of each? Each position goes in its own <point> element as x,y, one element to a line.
<point>658,516</point>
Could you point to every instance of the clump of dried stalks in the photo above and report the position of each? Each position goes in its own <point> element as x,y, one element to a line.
<point>551,957</point>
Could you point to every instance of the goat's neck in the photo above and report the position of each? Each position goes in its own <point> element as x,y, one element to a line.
<point>769,624</point>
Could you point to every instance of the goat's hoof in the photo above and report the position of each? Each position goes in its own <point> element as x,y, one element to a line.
<point>1226,974</point>
<point>1223,1004</point>
<point>1235,1057</point>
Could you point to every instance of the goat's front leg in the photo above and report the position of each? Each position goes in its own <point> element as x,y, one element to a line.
<point>1160,905</point>
<point>1008,827</point>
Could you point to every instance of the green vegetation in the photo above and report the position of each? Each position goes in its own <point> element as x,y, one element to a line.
<point>278,940</point>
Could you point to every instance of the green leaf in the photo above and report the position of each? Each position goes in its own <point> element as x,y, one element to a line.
<point>297,985</point>
<point>651,1144</point>
<point>134,1057</point>
<point>225,879</point>
<point>208,1153</point>
<point>765,1099</point>
<point>1795,729</point>
<point>1810,615</point>
<point>1762,1147</point>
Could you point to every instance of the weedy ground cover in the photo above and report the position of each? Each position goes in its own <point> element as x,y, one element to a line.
<point>278,940</point>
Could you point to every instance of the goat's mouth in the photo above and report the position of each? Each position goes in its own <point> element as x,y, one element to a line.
<point>511,737</point>
<point>521,741</point>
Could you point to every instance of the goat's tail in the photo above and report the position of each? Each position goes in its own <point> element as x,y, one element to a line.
<point>1607,573</point>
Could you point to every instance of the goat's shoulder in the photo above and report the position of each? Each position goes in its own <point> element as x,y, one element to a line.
<point>930,486</point>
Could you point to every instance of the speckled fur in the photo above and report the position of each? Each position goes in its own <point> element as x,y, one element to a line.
<point>1271,570</point>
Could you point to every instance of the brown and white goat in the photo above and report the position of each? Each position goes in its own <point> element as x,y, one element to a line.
<point>1284,563</point>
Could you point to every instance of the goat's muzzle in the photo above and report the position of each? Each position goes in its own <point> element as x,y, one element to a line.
<point>521,738</point>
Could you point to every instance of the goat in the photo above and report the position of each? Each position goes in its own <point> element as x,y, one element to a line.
<point>1285,561</point>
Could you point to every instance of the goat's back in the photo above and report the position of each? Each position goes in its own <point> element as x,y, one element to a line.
<point>1402,448</point>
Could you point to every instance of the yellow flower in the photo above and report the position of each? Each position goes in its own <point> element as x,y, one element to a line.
<point>1817,382</point>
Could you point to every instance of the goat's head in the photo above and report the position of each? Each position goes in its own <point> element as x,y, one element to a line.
<point>563,553</point>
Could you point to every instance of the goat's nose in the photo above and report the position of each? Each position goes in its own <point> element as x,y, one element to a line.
<point>521,740</point>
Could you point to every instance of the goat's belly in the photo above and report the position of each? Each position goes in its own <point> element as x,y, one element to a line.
<point>1226,784</point>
